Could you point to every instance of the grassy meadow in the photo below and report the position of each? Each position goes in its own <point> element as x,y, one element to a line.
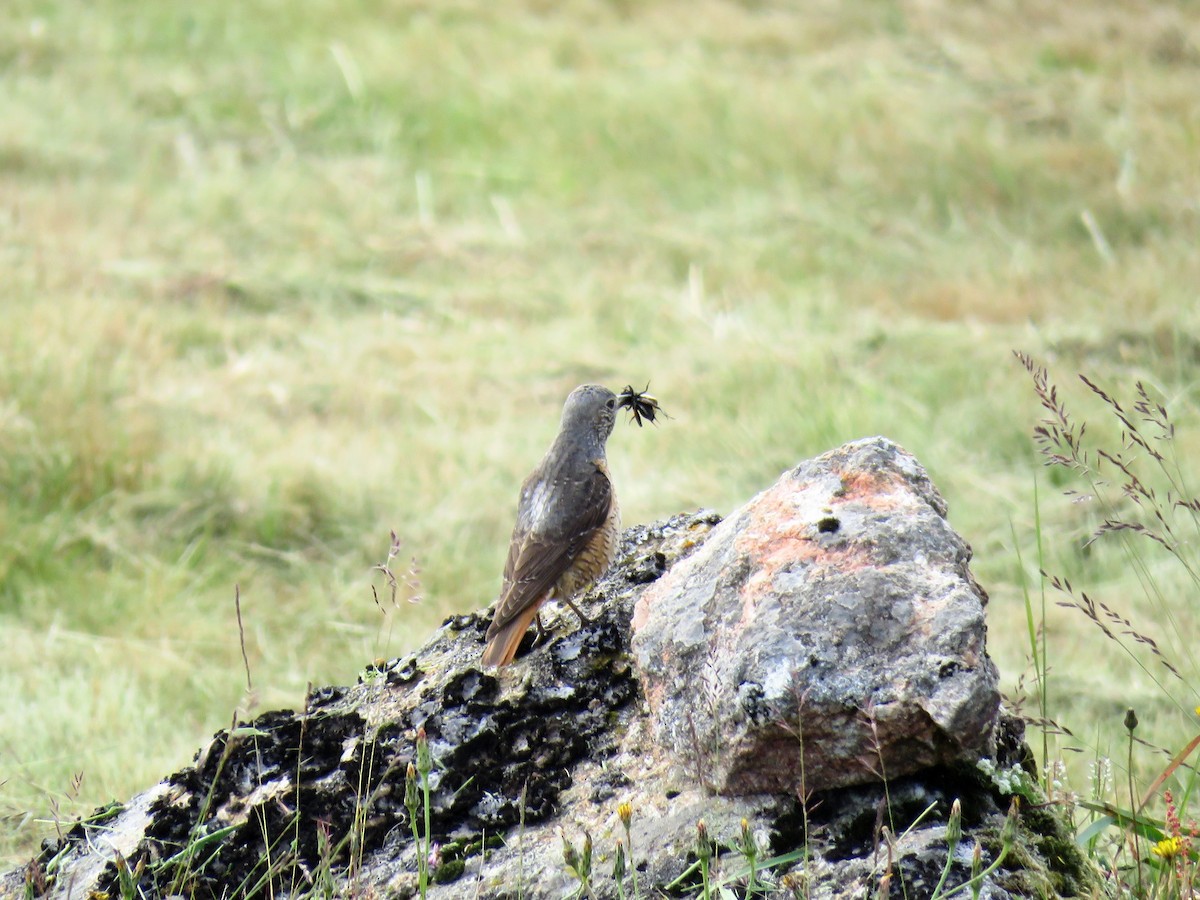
<point>281,278</point>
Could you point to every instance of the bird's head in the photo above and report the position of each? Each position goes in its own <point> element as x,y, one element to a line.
<point>590,409</point>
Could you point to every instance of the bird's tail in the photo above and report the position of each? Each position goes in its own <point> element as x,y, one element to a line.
<point>502,646</point>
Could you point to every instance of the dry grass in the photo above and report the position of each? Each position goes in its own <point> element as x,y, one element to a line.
<point>275,285</point>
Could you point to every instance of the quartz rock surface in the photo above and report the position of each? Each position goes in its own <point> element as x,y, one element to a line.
<point>828,633</point>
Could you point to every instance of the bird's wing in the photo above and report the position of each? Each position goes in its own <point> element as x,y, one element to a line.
<point>555,521</point>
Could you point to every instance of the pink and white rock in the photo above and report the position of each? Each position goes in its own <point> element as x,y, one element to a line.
<point>828,633</point>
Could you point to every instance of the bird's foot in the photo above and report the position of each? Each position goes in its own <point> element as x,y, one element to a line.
<point>541,632</point>
<point>575,609</point>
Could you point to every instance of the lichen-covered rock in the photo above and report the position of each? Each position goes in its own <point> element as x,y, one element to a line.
<point>828,633</point>
<point>538,756</point>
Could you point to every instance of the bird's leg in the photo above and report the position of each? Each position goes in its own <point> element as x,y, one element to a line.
<point>541,635</point>
<point>575,609</point>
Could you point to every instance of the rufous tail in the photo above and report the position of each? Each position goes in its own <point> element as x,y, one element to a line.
<point>502,646</point>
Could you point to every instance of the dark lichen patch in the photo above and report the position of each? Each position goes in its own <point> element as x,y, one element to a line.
<point>463,622</point>
<point>849,820</point>
<point>209,805</point>
<point>324,696</point>
<point>1011,747</point>
<point>828,525</point>
<point>788,829</point>
<point>647,568</point>
<point>470,687</point>
<point>529,749</point>
<point>846,825</point>
<point>918,876</point>
<point>404,671</point>
<point>608,784</point>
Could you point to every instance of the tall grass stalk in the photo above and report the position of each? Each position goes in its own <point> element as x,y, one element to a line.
<point>1136,480</point>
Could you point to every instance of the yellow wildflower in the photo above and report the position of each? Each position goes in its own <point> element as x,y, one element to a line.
<point>625,813</point>
<point>1168,848</point>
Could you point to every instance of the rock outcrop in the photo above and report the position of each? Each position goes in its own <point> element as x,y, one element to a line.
<point>828,632</point>
<point>808,678</point>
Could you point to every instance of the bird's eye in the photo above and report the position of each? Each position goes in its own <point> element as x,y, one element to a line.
<point>611,402</point>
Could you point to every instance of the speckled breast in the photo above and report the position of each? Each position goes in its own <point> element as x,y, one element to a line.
<point>596,557</point>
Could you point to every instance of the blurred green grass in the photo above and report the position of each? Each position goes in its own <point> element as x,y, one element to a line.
<point>279,279</point>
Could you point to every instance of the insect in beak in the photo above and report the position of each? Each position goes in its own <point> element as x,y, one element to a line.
<point>641,405</point>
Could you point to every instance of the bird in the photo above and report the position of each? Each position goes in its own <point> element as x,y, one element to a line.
<point>568,523</point>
